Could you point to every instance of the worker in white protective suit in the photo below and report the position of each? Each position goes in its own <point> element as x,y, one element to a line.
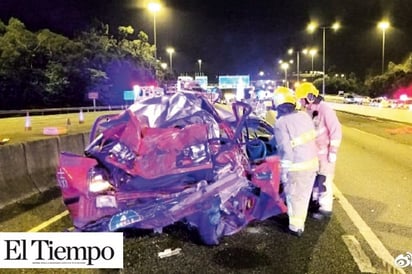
<point>328,139</point>
<point>295,137</point>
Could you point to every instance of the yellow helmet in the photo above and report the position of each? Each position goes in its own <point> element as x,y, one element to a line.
<point>304,89</point>
<point>283,95</point>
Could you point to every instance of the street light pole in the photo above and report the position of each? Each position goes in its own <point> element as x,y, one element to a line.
<point>297,66</point>
<point>170,51</point>
<point>383,25</point>
<point>383,51</point>
<point>154,8</point>
<point>311,27</point>
<point>312,53</point>
<point>200,66</point>
<point>154,34</point>
<point>290,51</point>
<point>285,66</point>
<point>286,76</point>
<point>323,60</point>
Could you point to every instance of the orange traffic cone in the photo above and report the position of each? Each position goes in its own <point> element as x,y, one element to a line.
<point>81,117</point>
<point>27,124</point>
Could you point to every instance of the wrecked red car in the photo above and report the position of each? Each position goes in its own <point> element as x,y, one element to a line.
<point>170,159</point>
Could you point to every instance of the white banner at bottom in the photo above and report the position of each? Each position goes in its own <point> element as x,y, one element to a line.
<point>61,250</point>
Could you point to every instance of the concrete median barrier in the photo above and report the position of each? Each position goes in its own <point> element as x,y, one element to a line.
<point>30,168</point>
<point>72,143</point>
<point>15,182</point>
<point>86,138</point>
<point>42,159</point>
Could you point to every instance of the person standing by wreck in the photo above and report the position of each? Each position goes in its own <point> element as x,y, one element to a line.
<point>328,140</point>
<point>295,137</point>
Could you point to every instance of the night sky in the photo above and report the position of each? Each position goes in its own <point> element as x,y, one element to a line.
<point>243,36</point>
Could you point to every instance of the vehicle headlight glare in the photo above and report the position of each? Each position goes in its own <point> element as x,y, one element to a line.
<point>98,183</point>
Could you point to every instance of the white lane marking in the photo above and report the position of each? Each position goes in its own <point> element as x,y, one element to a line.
<point>361,259</point>
<point>367,233</point>
<point>49,222</point>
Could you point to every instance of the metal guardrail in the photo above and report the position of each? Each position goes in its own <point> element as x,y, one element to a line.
<point>49,111</point>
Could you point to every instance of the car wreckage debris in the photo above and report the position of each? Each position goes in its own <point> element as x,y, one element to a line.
<point>170,159</point>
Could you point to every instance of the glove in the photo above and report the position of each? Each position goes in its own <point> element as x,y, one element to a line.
<point>332,157</point>
<point>320,183</point>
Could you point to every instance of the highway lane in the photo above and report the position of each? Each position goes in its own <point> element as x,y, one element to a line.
<point>372,174</point>
<point>375,175</point>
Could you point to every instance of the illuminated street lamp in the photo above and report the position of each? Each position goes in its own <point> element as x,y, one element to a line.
<point>383,25</point>
<point>281,61</point>
<point>285,67</point>
<point>163,66</point>
<point>200,66</point>
<point>312,53</point>
<point>154,8</point>
<point>170,51</point>
<point>290,51</point>
<point>311,28</point>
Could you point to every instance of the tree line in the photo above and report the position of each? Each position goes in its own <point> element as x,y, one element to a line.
<point>44,69</point>
<point>396,78</point>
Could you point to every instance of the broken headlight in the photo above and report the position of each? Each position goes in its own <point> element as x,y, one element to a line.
<point>98,181</point>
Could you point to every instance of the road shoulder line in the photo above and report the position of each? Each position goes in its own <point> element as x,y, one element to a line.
<point>49,221</point>
<point>355,249</point>
<point>367,232</point>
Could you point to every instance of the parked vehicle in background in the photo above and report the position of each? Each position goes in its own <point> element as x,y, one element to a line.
<point>405,101</point>
<point>401,104</point>
<point>381,102</point>
<point>407,104</point>
<point>349,99</point>
<point>366,100</point>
